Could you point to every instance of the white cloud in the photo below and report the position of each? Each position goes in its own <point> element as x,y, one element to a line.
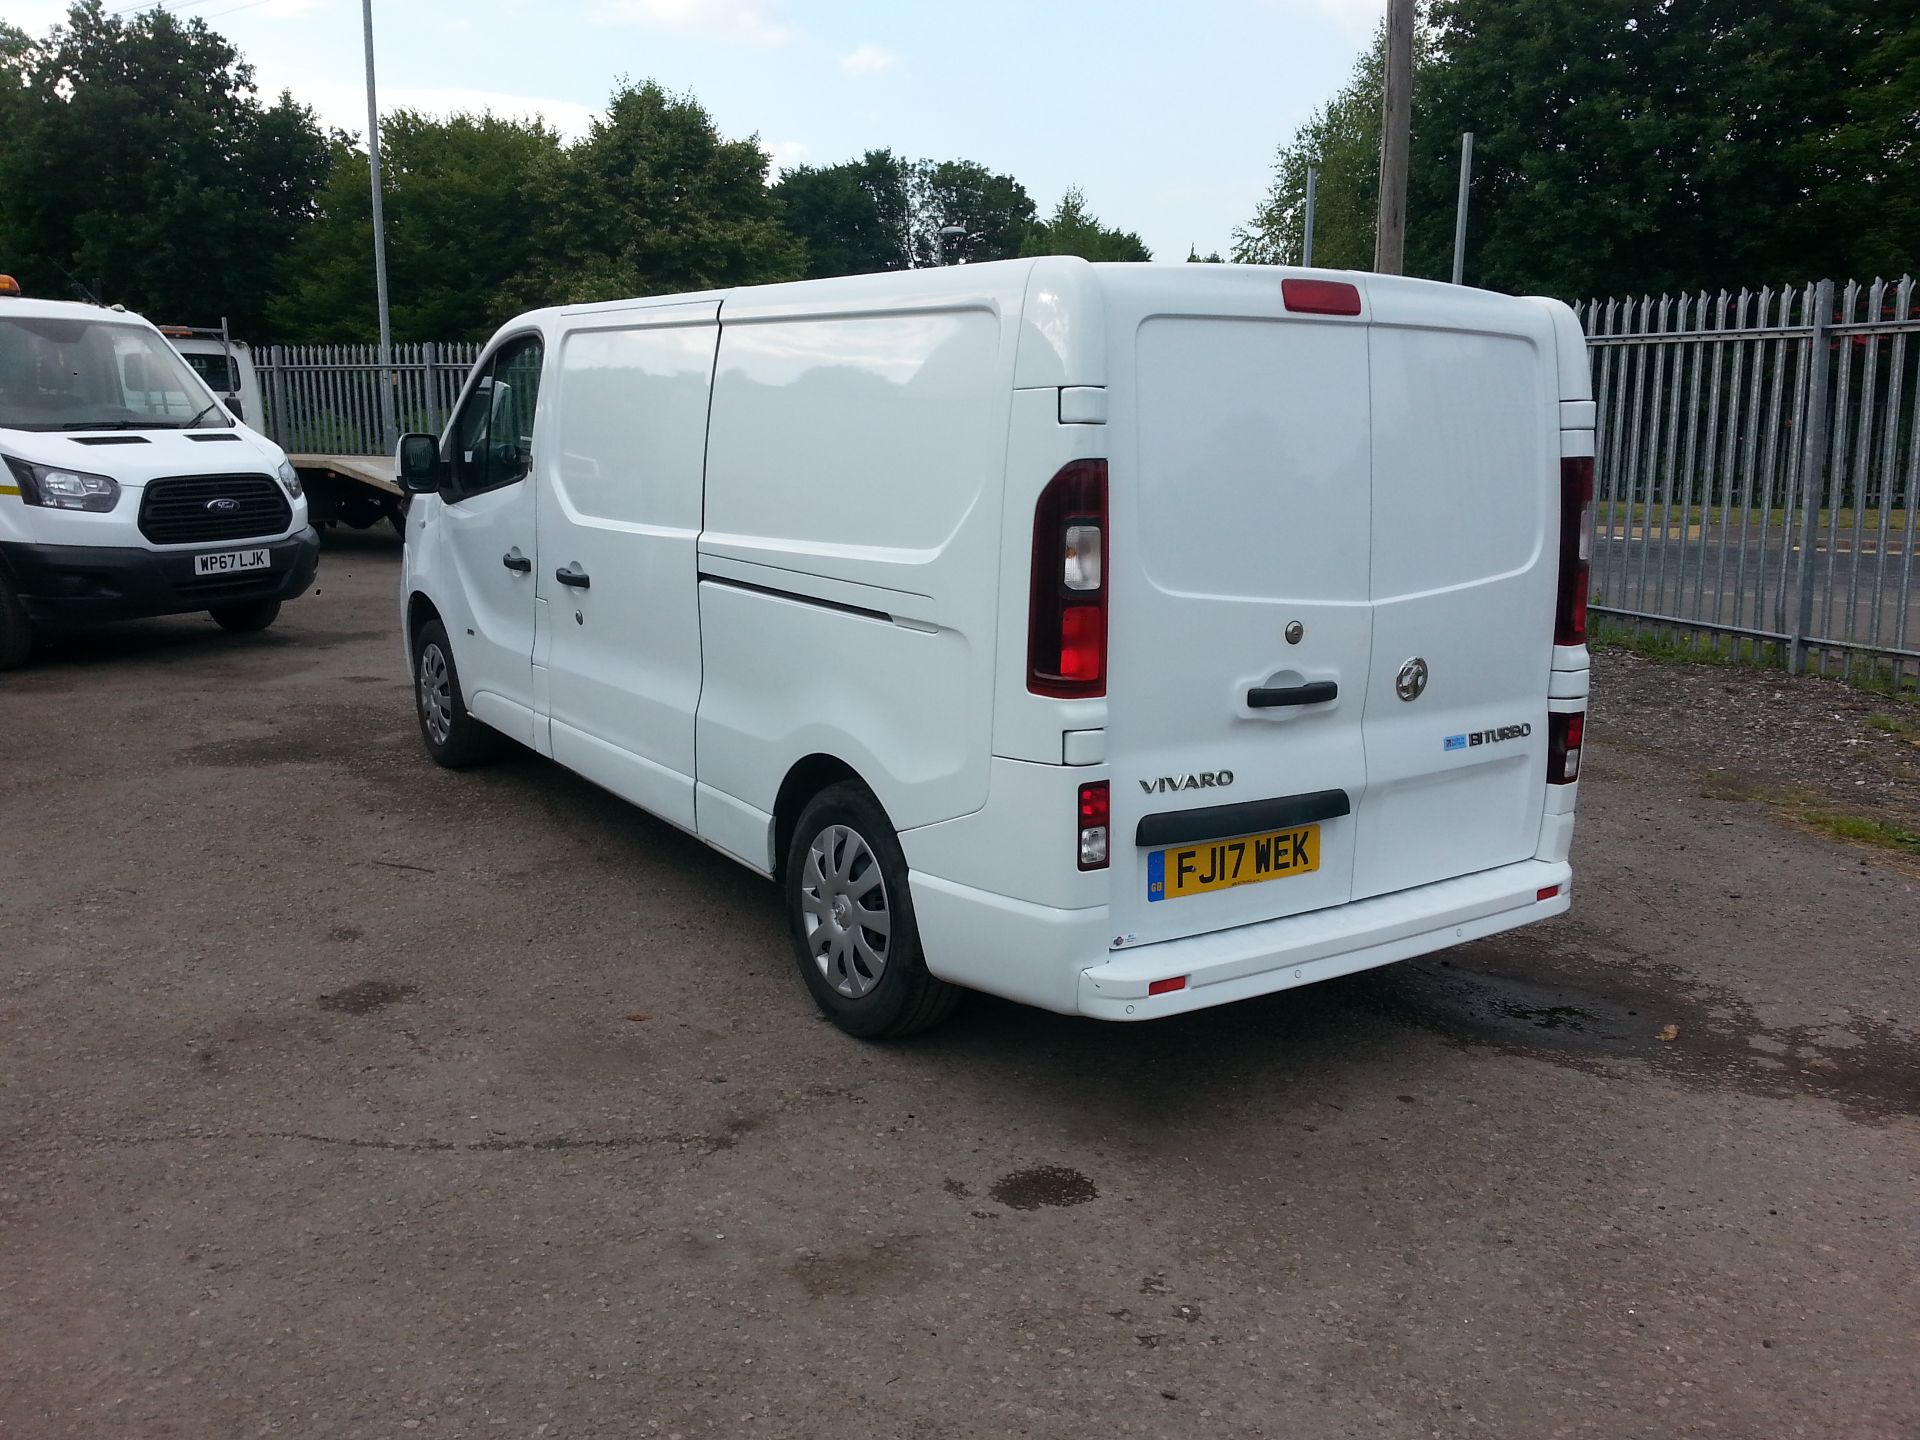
<point>737,22</point>
<point>36,17</point>
<point>345,105</point>
<point>868,60</point>
<point>785,155</point>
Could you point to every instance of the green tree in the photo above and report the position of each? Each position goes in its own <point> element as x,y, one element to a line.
<point>1635,145</point>
<point>991,213</point>
<point>1194,257</point>
<point>855,217</point>
<point>654,201</point>
<point>463,218</point>
<point>1073,230</point>
<point>138,157</point>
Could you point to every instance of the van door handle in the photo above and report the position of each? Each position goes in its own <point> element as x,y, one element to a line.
<point>1271,697</point>
<point>573,575</point>
<point>516,562</point>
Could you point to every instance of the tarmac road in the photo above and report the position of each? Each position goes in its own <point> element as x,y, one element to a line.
<point>344,1096</point>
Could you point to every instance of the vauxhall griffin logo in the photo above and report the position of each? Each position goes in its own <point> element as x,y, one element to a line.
<point>224,505</point>
<point>1205,780</point>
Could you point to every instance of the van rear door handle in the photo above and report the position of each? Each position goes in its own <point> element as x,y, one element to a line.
<point>1271,697</point>
<point>516,562</point>
<point>573,576</point>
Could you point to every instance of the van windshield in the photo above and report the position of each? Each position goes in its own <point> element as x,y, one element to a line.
<point>79,373</point>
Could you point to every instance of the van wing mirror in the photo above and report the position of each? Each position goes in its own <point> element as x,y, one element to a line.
<point>417,464</point>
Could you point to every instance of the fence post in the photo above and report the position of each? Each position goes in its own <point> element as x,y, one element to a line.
<point>1813,457</point>
<point>431,356</point>
<point>282,431</point>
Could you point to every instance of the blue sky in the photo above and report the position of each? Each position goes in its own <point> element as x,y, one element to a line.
<point>1166,114</point>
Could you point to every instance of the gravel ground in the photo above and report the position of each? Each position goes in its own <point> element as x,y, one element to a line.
<point>1771,734</point>
<point>345,1097</point>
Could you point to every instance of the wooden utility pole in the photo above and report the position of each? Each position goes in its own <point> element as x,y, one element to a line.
<point>1396,120</point>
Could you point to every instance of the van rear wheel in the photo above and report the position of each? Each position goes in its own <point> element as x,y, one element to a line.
<point>851,915</point>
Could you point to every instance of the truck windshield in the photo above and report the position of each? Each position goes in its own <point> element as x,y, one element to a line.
<point>79,373</point>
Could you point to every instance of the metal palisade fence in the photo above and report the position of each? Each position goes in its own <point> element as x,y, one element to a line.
<point>1756,478</point>
<point>1757,469</point>
<point>325,399</point>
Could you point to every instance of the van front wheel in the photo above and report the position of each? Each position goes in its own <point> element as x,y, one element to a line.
<point>16,630</point>
<point>453,737</point>
<point>247,618</point>
<point>852,920</point>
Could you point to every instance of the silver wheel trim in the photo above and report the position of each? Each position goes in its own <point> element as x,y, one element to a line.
<point>843,900</point>
<point>436,694</point>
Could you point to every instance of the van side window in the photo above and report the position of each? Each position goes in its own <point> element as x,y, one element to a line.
<point>493,438</point>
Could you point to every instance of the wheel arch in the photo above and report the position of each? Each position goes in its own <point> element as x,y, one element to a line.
<point>806,778</point>
<point>420,610</point>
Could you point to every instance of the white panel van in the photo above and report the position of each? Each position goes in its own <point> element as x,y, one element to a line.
<point>1121,639</point>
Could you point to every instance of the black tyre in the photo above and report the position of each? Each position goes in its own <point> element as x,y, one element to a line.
<point>248,618</point>
<point>851,915</point>
<point>16,630</point>
<point>453,737</point>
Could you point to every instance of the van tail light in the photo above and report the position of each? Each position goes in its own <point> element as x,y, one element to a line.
<point>1095,817</point>
<point>1564,733</point>
<point>1067,607</point>
<point>1576,549</point>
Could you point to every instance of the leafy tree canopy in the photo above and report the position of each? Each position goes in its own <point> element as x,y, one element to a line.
<point>463,219</point>
<point>1073,230</point>
<point>139,162</point>
<point>654,201</point>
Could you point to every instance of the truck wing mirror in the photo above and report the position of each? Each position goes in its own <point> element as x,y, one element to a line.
<point>418,466</point>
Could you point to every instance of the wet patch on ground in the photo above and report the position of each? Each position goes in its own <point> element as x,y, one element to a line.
<point>889,1266</point>
<point>1042,1185</point>
<point>1524,994</point>
<point>357,738</point>
<point>367,996</point>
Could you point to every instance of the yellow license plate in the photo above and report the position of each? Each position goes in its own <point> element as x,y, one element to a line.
<point>1222,864</point>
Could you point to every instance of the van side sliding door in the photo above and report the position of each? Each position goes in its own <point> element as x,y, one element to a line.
<point>619,517</point>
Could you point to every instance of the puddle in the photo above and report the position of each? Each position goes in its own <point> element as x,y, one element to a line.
<point>1522,995</point>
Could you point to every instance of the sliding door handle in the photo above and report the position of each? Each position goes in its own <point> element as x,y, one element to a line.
<point>573,575</point>
<point>1272,697</point>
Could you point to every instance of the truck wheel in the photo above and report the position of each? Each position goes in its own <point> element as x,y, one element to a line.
<point>453,737</point>
<point>16,630</point>
<point>248,618</point>
<point>851,915</point>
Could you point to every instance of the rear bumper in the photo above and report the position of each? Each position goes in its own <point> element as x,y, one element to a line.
<point>1040,956</point>
<point>67,584</point>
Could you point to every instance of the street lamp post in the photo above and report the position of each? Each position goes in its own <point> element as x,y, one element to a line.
<point>389,432</point>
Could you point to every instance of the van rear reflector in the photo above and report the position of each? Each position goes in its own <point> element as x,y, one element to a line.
<point>1167,987</point>
<point>1320,297</point>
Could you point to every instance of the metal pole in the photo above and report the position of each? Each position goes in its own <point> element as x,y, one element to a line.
<point>226,352</point>
<point>1396,122</point>
<point>1813,464</point>
<point>1306,243</point>
<point>1460,208</point>
<point>389,432</point>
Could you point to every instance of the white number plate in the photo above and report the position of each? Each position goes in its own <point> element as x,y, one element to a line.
<point>229,561</point>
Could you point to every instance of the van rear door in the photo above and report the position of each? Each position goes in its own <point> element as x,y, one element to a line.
<point>1238,577</point>
<point>1466,462</point>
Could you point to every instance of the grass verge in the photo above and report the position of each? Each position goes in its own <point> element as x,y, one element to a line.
<point>1863,830</point>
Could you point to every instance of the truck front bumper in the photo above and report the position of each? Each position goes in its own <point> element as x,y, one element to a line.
<point>79,584</point>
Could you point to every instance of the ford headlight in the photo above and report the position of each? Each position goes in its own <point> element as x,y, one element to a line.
<point>289,479</point>
<point>54,488</point>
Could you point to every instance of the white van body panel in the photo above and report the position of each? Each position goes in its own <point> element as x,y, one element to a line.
<point>808,515</point>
